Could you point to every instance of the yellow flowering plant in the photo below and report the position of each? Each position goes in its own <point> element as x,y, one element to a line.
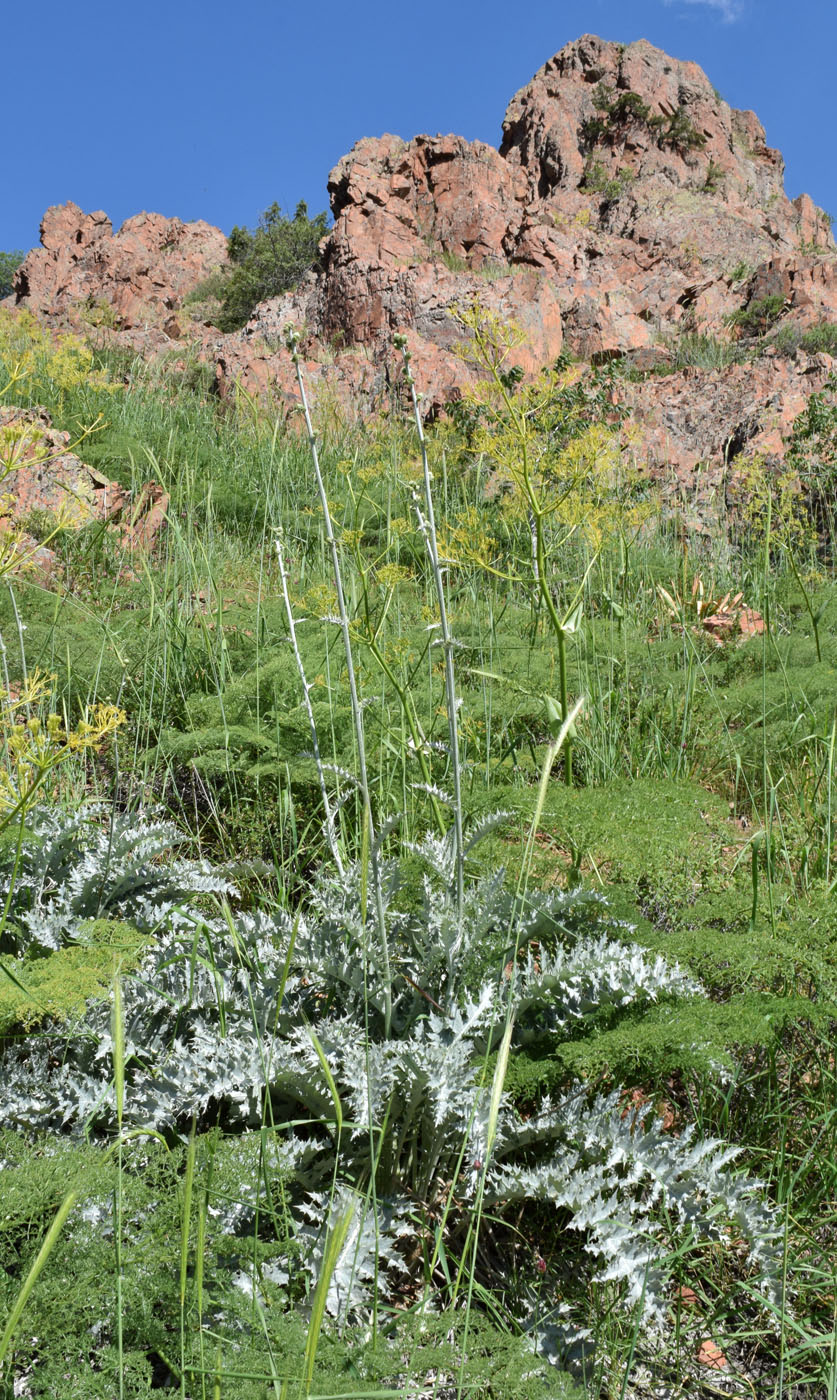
<point>775,514</point>
<point>32,747</point>
<point>28,350</point>
<point>557,469</point>
<point>771,505</point>
<point>28,353</point>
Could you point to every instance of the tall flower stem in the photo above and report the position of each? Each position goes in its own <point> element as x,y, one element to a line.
<point>292,339</point>
<point>330,824</point>
<point>490,354</point>
<point>427,525</point>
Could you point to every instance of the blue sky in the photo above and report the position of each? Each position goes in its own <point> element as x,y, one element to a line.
<point>210,110</point>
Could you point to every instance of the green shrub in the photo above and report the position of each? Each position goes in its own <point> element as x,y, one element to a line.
<point>619,110</point>
<point>677,131</point>
<point>758,316</point>
<point>787,340</point>
<point>9,264</point>
<point>813,339</point>
<point>714,177</point>
<point>821,337</point>
<point>628,107</point>
<point>266,262</point>
<point>598,181</point>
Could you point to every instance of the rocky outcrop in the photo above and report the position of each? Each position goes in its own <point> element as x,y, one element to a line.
<point>691,430</point>
<point>419,300</point>
<point>626,200</point>
<point>627,203</point>
<point>130,280</point>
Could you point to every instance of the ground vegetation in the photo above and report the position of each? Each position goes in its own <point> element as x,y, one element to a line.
<point>419,951</point>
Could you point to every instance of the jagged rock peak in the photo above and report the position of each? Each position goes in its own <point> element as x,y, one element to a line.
<point>135,277</point>
<point>600,111</point>
<point>627,202</point>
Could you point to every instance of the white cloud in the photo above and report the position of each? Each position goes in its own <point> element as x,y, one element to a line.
<point>727,10</point>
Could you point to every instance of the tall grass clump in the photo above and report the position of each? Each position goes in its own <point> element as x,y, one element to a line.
<point>698,350</point>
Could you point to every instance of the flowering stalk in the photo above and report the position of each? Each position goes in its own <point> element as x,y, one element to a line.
<point>330,826</point>
<point>32,748</point>
<point>427,525</point>
<point>492,343</point>
<point>292,339</point>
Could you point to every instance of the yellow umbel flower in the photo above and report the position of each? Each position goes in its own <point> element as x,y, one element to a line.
<point>31,748</point>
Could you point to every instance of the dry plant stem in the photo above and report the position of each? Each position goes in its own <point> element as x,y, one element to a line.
<point>292,337</point>
<point>330,826</point>
<point>427,525</point>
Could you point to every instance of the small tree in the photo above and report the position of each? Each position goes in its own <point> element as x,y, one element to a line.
<point>9,264</point>
<point>268,261</point>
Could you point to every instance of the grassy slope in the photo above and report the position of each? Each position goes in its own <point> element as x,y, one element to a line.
<point>687,750</point>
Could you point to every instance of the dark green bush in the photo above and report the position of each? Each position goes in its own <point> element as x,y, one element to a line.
<point>677,131</point>
<point>9,264</point>
<point>620,110</point>
<point>266,262</point>
<point>714,177</point>
<point>627,107</point>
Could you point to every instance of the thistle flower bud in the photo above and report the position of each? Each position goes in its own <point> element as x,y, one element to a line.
<point>292,339</point>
